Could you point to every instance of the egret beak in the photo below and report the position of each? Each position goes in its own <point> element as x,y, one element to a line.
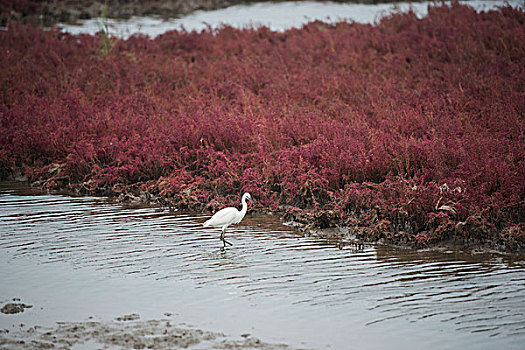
<point>251,201</point>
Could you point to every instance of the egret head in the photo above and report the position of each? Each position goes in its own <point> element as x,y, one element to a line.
<point>248,197</point>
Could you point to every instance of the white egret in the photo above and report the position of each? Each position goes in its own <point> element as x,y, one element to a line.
<point>228,216</point>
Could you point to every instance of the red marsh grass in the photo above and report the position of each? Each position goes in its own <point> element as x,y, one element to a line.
<point>411,130</point>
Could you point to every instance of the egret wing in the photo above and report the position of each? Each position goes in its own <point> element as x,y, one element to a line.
<point>226,216</point>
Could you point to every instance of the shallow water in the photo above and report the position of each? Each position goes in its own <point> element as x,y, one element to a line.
<point>277,16</point>
<point>73,258</point>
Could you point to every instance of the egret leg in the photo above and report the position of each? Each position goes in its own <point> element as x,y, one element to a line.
<point>224,242</point>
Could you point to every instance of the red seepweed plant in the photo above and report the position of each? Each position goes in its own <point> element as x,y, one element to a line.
<point>410,130</point>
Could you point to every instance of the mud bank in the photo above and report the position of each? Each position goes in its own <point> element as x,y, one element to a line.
<point>469,236</point>
<point>125,332</point>
<point>358,238</point>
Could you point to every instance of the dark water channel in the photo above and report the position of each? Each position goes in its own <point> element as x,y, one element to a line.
<point>73,258</point>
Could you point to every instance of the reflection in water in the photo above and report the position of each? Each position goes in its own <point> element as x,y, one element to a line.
<point>301,284</point>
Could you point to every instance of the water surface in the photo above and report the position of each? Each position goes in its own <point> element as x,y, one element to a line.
<point>73,258</point>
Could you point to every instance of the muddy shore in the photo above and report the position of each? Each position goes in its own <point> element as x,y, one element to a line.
<point>128,332</point>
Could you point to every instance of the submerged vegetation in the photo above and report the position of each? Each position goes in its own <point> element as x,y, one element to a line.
<point>410,130</point>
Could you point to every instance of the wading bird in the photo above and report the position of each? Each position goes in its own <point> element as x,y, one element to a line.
<point>228,216</point>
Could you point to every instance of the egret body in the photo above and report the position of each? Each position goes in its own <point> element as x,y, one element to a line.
<point>228,216</point>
